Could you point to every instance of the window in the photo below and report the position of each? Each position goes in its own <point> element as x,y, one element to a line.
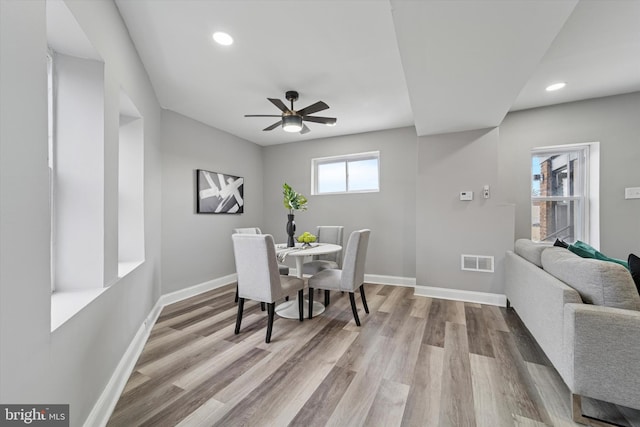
<point>353,173</point>
<point>560,193</point>
<point>130,186</point>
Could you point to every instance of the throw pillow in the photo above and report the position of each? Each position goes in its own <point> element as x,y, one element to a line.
<point>586,251</point>
<point>561,244</point>
<point>634,267</point>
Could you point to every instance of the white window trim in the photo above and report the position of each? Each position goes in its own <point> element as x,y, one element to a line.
<point>591,196</point>
<point>346,158</point>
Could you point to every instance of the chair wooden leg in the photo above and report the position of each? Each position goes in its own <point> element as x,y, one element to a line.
<point>364,299</point>
<point>310,303</point>
<point>239,316</point>
<point>352,297</point>
<point>271,308</point>
<point>326,297</point>
<point>236,300</point>
<point>301,305</point>
<point>262,306</point>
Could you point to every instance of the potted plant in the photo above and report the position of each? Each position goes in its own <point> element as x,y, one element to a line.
<point>293,201</point>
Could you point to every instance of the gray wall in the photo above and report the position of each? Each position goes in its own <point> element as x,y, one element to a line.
<point>74,363</point>
<point>390,213</point>
<point>197,248</point>
<point>447,227</point>
<point>614,122</point>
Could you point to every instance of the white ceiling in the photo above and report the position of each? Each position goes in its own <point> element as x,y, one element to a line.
<point>441,66</point>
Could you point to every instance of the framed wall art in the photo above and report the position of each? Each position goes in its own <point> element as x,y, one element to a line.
<point>219,193</point>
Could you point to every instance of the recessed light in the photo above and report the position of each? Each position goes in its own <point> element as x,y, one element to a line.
<point>222,38</point>
<point>555,86</point>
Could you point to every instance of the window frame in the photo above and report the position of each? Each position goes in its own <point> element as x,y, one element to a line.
<point>346,159</point>
<point>581,191</point>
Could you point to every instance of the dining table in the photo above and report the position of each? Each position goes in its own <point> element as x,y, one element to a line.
<point>289,309</point>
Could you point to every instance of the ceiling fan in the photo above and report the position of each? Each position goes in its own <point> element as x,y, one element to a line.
<point>291,120</point>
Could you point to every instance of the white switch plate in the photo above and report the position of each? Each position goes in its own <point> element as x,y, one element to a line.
<point>632,193</point>
<point>466,195</point>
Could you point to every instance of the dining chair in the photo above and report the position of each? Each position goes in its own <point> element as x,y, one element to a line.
<point>259,278</point>
<point>326,234</point>
<point>283,268</point>
<point>350,277</point>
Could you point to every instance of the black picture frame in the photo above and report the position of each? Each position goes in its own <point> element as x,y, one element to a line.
<point>219,193</point>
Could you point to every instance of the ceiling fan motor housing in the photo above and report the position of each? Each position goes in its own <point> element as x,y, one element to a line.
<point>291,95</point>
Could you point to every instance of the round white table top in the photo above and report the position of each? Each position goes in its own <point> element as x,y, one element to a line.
<point>314,249</point>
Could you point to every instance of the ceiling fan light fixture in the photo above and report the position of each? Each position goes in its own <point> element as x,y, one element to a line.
<point>292,123</point>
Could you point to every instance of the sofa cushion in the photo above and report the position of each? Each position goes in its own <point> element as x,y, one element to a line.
<point>597,282</point>
<point>530,250</point>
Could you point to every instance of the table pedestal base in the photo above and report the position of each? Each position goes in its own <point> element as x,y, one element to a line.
<point>289,309</point>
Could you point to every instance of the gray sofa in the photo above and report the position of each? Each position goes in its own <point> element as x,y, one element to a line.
<point>585,315</point>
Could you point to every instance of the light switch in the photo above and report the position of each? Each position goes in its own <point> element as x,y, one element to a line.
<point>632,193</point>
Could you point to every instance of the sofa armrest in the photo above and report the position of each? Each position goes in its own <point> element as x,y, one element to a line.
<point>539,299</point>
<point>602,350</point>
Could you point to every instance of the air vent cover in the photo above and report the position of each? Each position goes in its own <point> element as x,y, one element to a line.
<point>483,263</point>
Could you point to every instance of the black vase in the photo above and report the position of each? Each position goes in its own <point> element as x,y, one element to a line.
<point>291,230</point>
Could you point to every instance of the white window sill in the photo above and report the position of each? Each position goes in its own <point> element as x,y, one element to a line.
<point>126,267</point>
<point>65,305</point>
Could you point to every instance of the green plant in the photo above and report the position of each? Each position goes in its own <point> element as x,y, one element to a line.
<point>293,201</point>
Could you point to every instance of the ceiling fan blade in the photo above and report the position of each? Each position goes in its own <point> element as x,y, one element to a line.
<point>313,108</point>
<point>273,126</point>
<point>263,115</point>
<point>304,129</point>
<point>278,103</point>
<point>325,120</point>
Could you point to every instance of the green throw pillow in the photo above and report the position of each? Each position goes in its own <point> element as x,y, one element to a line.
<point>586,251</point>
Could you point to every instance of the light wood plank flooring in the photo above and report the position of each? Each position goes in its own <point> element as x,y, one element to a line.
<point>414,362</point>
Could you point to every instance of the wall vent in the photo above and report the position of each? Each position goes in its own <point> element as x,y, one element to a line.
<point>483,263</point>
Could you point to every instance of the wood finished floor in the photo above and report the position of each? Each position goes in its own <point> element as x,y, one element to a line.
<point>414,362</point>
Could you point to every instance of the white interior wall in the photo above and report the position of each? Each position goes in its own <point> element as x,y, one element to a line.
<point>73,363</point>
<point>448,227</point>
<point>197,247</point>
<point>389,213</point>
<point>612,121</point>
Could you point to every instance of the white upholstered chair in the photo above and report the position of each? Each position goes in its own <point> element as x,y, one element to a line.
<point>282,268</point>
<point>326,234</point>
<point>259,278</point>
<point>350,277</point>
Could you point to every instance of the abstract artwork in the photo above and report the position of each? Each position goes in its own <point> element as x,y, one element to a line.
<point>220,193</point>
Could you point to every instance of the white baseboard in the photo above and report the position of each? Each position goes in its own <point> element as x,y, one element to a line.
<point>107,401</point>
<point>197,289</point>
<point>379,279</point>
<point>103,408</point>
<point>462,295</point>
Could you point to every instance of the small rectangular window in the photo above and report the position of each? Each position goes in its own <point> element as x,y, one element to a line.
<point>353,173</point>
<point>559,193</point>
